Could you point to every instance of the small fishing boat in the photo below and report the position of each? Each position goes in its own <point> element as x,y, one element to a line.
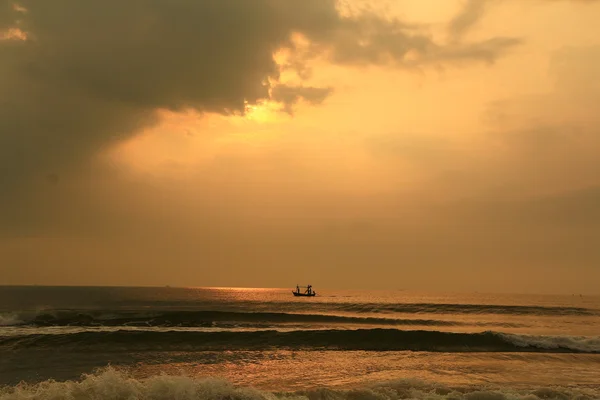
<point>307,293</point>
<point>304,294</point>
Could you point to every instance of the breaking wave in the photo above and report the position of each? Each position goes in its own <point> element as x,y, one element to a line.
<point>359,339</point>
<point>113,384</point>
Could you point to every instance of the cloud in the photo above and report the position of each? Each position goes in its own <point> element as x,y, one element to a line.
<point>290,95</point>
<point>92,74</point>
<point>537,144</point>
<point>472,12</point>
<point>566,115</point>
<point>534,146</point>
<point>535,199</point>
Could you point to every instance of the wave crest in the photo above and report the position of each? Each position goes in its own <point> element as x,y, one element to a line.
<point>113,384</point>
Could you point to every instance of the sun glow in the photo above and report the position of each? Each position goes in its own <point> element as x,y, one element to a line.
<point>263,112</point>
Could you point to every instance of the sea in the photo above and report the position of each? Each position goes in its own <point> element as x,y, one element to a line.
<point>163,343</point>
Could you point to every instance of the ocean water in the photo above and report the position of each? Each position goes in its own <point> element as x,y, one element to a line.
<point>250,344</point>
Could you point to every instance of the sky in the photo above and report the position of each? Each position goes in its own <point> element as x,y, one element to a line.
<point>433,145</point>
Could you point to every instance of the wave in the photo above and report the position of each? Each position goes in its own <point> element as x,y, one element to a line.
<point>583,344</point>
<point>10,319</point>
<point>359,339</point>
<point>436,308</point>
<point>111,383</point>
<point>205,319</point>
<point>365,308</point>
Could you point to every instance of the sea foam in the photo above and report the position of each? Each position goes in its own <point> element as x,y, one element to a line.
<point>113,384</point>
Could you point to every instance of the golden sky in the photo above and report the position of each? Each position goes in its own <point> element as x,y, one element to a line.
<point>409,144</point>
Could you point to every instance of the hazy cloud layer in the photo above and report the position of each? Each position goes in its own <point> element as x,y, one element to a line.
<point>556,135</point>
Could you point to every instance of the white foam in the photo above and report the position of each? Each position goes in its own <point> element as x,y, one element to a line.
<point>112,384</point>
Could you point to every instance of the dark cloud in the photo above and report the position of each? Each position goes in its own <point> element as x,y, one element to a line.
<point>91,74</point>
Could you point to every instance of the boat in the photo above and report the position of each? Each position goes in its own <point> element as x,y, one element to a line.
<point>308,293</point>
<point>304,294</point>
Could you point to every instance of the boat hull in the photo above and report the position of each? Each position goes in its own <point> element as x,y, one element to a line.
<point>304,294</point>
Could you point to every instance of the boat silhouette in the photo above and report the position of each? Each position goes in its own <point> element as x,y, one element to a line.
<point>307,293</point>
